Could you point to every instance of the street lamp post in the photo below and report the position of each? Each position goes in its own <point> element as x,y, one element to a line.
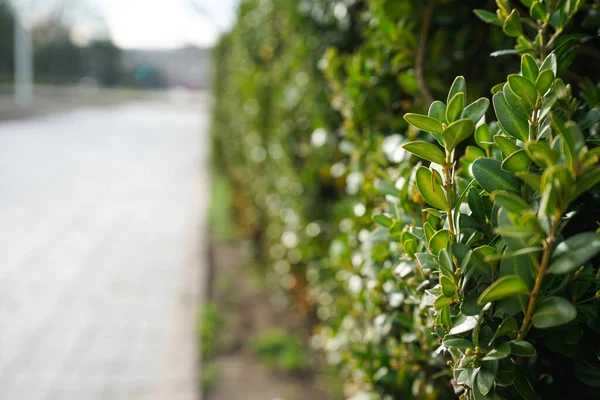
<point>23,64</point>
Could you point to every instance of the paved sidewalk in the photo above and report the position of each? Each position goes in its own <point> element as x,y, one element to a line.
<point>100,216</point>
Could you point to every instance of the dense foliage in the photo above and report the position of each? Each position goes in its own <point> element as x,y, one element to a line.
<point>444,248</point>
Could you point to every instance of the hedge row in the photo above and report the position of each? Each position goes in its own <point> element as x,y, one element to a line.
<point>444,248</point>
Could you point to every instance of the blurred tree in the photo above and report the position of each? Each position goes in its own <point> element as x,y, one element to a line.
<point>6,42</point>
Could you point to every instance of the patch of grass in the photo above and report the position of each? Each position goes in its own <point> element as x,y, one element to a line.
<point>222,225</point>
<point>209,376</point>
<point>278,349</point>
<point>209,324</point>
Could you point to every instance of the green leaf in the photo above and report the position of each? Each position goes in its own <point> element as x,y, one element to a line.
<point>513,124</point>
<point>586,182</point>
<point>455,107</point>
<point>427,151</point>
<point>457,342</point>
<point>529,68</point>
<point>486,376</point>
<point>511,202</point>
<point>491,177</point>
<point>542,154</point>
<point>549,63</point>
<point>476,110</point>
<point>574,252</point>
<point>553,311</point>
<point>488,17</point>
<point>441,302</point>
<point>426,261</point>
<point>424,123</point>
<point>523,88</point>
<point>508,146</point>
<point>445,263</point>
<point>533,180</point>
<point>458,86</point>
<point>448,286</point>
<point>476,205</point>
<point>383,220</point>
<point>522,348</point>
<point>512,24</point>
<point>439,241</point>
<point>498,353</point>
<point>463,323</point>
<point>544,81</point>
<point>396,228</point>
<point>483,137</point>
<point>517,162</point>
<point>456,132</point>
<point>508,285</point>
<point>538,11</point>
<point>432,192</point>
<point>437,110</point>
<point>507,327</point>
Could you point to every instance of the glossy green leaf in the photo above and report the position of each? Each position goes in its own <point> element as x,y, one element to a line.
<point>457,342</point>
<point>430,190</point>
<point>437,110</point>
<point>490,176</point>
<point>448,286</point>
<point>542,154</point>
<point>424,123</point>
<point>439,241</point>
<point>522,348</point>
<point>498,353</point>
<point>508,146</point>
<point>514,125</point>
<point>544,81</point>
<point>553,311</point>
<point>523,386</point>
<point>529,68</point>
<point>445,263</point>
<point>523,88</point>
<point>517,162</point>
<point>508,285</point>
<point>463,323</point>
<point>396,228</point>
<point>512,24</point>
<point>574,252</point>
<point>476,205</point>
<point>383,220</point>
<point>586,182</point>
<point>521,108</point>
<point>532,180</point>
<point>483,136</point>
<point>476,110</point>
<point>455,107</point>
<point>456,132</point>
<point>441,302</point>
<point>511,202</point>
<point>486,376</point>
<point>538,11</point>
<point>425,150</point>
<point>507,327</point>
<point>488,17</point>
<point>458,86</point>
<point>550,63</point>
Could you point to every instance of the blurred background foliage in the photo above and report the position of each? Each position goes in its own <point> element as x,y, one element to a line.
<point>307,127</point>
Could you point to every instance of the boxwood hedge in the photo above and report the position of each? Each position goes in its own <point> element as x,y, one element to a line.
<point>433,208</point>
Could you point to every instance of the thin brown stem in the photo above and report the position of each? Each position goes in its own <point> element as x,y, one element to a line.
<point>448,187</point>
<point>542,270</point>
<point>420,56</point>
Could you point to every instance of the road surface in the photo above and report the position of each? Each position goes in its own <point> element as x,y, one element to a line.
<point>100,216</point>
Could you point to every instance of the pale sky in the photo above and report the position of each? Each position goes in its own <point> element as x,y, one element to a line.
<point>148,24</point>
<point>166,23</point>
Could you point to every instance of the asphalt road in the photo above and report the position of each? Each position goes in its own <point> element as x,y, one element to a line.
<point>100,229</point>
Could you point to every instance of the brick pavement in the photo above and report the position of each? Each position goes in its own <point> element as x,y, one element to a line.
<point>100,214</point>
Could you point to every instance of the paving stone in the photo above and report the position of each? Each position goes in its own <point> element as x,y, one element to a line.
<point>101,210</point>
